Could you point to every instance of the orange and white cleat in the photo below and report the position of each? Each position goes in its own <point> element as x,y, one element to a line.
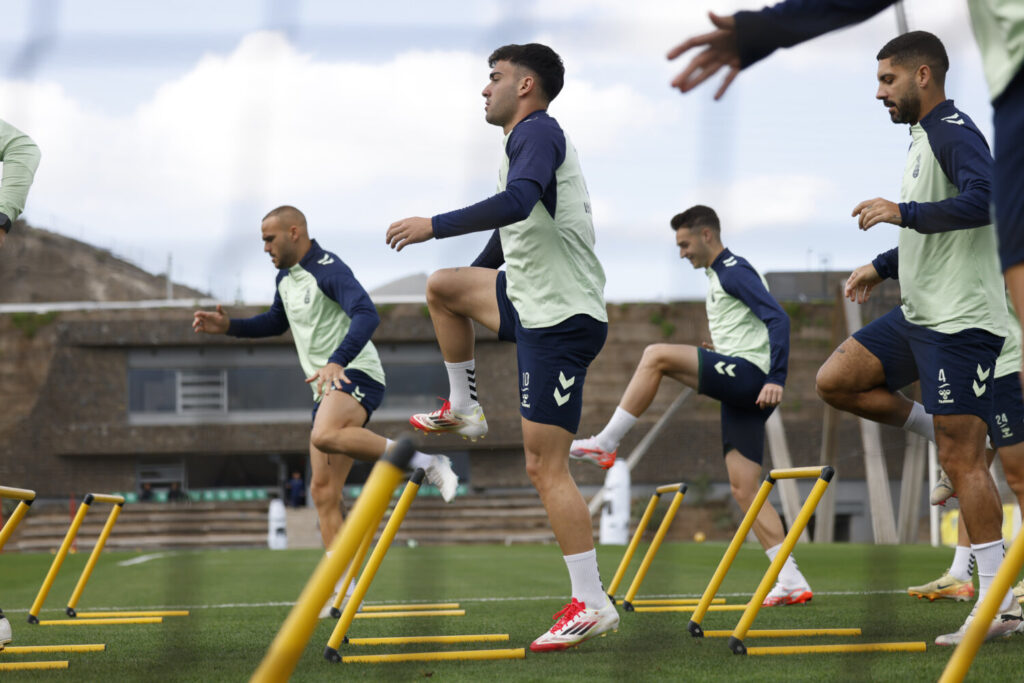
<point>470,425</point>
<point>779,595</point>
<point>587,450</point>
<point>575,623</point>
<point>944,587</point>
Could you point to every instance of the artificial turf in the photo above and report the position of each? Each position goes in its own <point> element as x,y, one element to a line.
<point>239,598</point>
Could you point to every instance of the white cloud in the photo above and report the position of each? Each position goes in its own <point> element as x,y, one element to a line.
<point>783,200</point>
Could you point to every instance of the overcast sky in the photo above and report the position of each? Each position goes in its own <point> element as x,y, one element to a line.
<point>171,128</point>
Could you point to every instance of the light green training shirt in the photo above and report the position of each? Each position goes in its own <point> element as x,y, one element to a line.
<point>21,159</point>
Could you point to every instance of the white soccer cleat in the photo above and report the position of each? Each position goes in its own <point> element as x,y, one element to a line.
<point>470,425</point>
<point>587,450</point>
<point>575,623</point>
<point>943,490</point>
<point>441,475</point>
<point>5,632</point>
<point>779,595</point>
<point>1003,626</point>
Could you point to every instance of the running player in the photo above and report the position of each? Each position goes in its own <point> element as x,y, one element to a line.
<point>745,38</point>
<point>20,157</point>
<point>744,368</point>
<point>1005,430</point>
<point>332,319</point>
<point>549,301</point>
<point>950,327</point>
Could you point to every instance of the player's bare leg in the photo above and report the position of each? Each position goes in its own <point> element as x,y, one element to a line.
<point>1014,277</point>
<point>1012,458</point>
<point>456,297</point>
<point>590,612</point>
<point>338,428</point>
<point>853,380</point>
<point>678,361</point>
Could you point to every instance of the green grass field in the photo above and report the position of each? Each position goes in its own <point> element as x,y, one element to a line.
<point>239,599</point>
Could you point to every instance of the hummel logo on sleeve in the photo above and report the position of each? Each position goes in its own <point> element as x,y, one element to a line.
<point>325,260</point>
<point>954,118</point>
<point>729,262</point>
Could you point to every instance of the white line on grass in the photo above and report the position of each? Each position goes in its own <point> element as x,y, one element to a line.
<point>522,598</point>
<point>141,559</point>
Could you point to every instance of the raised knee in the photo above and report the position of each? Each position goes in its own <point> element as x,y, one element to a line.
<point>437,285</point>
<point>654,356</point>
<point>826,383</point>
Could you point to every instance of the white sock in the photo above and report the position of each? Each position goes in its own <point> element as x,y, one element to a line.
<point>963,563</point>
<point>418,460</point>
<point>920,422</point>
<point>462,384</point>
<point>586,579</point>
<point>615,430</point>
<point>790,575</point>
<point>989,556</point>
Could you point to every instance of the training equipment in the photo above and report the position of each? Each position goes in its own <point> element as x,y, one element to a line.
<point>676,601</point>
<point>287,646</point>
<point>576,623</point>
<point>787,633</point>
<point>31,649</point>
<point>471,425</point>
<point>342,594</point>
<point>99,622</point>
<point>413,640</point>
<point>680,490</point>
<point>587,450</point>
<point>944,587</point>
<point>136,613</point>
<point>370,571</point>
<point>28,666</point>
<point>24,498</point>
<point>69,538</point>
<point>823,649</point>
<point>415,606</point>
<point>514,653</point>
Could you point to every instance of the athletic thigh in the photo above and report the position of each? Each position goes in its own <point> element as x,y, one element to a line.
<point>743,431</point>
<point>467,291</point>
<point>878,354</point>
<point>956,371</point>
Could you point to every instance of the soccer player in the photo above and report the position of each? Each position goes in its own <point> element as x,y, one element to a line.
<point>949,329</point>
<point>744,367</point>
<point>1005,431</point>
<point>745,38</point>
<point>549,301</point>
<point>20,157</point>
<point>331,319</point>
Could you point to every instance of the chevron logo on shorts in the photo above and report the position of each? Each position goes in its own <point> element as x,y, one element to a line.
<point>722,369</point>
<point>358,394</point>
<point>566,382</point>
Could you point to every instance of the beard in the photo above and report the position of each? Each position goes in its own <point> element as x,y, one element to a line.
<point>908,109</point>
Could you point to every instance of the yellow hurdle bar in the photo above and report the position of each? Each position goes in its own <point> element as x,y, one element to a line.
<point>399,608</point>
<point>797,473</point>
<point>106,498</point>
<point>370,571</point>
<point>95,555</point>
<point>411,613</point>
<point>36,649</point>
<point>101,622</point>
<point>25,498</point>
<point>515,653</point>
<point>627,557</point>
<point>787,632</point>
<point>788,543</point>
<point>286,649</point>
<point>675,601</point>
<point>825,649</point>
<point>659,536</point>
<point>350,572</point>
<point>58,560</point>
<point>28,666</point>
<point>137,613</point>
<point>413,640</point>
<point>963,655</point>
<point>691,608</point>
<point>727,559</point>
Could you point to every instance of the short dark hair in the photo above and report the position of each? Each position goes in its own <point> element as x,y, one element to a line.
<point>540,59</point>
<point>916,48</point>
<point>288,214</point>
<point>698,216</point>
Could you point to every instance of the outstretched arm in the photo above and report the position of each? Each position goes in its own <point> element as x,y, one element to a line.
<point>747,37</point>
<point>20,156</point>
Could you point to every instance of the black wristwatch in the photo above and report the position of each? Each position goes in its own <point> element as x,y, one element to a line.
<point>5,222</point>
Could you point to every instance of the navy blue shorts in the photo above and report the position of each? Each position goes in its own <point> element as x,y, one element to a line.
<point>1006,424</point>
<point>955,369</point>
<point>363,388</point>
<point>553,362</point>
<point>1008,180</point>
<point>736,383</point>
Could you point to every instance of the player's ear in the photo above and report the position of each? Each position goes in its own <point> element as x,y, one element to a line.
<point>526,84</point>
<point>923,75</point>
